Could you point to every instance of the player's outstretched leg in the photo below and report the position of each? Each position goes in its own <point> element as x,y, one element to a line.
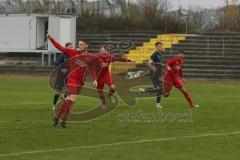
<point>64,111</point>
<point>67,108</point>
<point>149,90</point>
<point>188,98</point>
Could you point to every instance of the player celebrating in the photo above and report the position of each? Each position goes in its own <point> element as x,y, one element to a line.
<point>61,75</point>
<point>174,71</point>
<point>79,64</point>
<point>105,75</point>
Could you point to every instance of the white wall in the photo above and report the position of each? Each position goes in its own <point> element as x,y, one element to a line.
<point>67,30</point>
<point>23,32</point>
<point>53,29</point>
<point>63,30</point>
<point>14,32</point>
<point>33,30</point>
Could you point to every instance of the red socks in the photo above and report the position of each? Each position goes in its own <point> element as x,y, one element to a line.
<point>187,96</point>
<point>64,110</point>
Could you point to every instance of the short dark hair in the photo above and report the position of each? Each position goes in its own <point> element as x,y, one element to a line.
<point>68,44</point>
<point>104,46</point>
<point>157,43</point>
<point>181,52</point>
<point>83,40</point>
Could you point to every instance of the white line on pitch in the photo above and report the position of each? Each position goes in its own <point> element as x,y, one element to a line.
<point>121,143</point>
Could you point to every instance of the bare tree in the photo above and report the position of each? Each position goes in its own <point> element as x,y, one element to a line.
<point>153,7</point>
<point>197,15</point>
<point>111,8</point>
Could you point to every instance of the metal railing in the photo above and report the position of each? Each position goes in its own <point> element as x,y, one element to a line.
<point>208,45</point>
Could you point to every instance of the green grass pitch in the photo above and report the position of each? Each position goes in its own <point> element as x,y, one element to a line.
<point>26,132</point>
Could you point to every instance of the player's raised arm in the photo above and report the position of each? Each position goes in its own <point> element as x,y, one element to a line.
<point>67,51</point>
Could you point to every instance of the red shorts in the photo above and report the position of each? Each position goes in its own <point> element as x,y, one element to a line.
<point>104,80</point>
<point>74,84</point>
<point>170,81</point>
<point>75,90</point>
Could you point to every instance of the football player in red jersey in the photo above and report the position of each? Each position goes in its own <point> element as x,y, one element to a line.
<point>79,64</point>
<point>105,76</point>
<point>174,77</point>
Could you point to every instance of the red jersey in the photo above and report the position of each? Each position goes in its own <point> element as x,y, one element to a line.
<point>175,63</point>
<point>106,61</point>
<point>78,64</point>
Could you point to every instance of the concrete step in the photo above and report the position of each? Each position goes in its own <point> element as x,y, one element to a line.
<point>226,42</point>
<point>204,67</point>
<point>25,69</point>
<point>213,38</point>
<point>205,57</point>
<point>218,46</point>
<point>90,36</point>
<point>98,43</point>
<point>96,51</point>
<point>211,76</point>
<point>206,47</point>
<point>217,62</point>
<point>222,34</point>
<point>19,62</point>
<point>7,58</point>
<point>117,39</point>
<point>208,71</point>
<point>119,34</point>
<point>205,53</point>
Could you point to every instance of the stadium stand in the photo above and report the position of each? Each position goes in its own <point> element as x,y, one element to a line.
<point>143,53</point>
<point>211,56</point>
<point>208,56</point>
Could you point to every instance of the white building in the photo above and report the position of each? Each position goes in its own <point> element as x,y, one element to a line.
<point>26,33</point>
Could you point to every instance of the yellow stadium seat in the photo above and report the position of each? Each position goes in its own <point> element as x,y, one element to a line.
<point>143,52</point>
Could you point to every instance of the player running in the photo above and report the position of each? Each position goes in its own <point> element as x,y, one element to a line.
<point>156,66</point>
<point>105,76</point>
<point>174,77</point>
<point>62,72</point>
<point>79,64</point>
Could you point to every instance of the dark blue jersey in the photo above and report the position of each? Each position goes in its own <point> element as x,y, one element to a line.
<point>157,60</point>
<point>62,61</point>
